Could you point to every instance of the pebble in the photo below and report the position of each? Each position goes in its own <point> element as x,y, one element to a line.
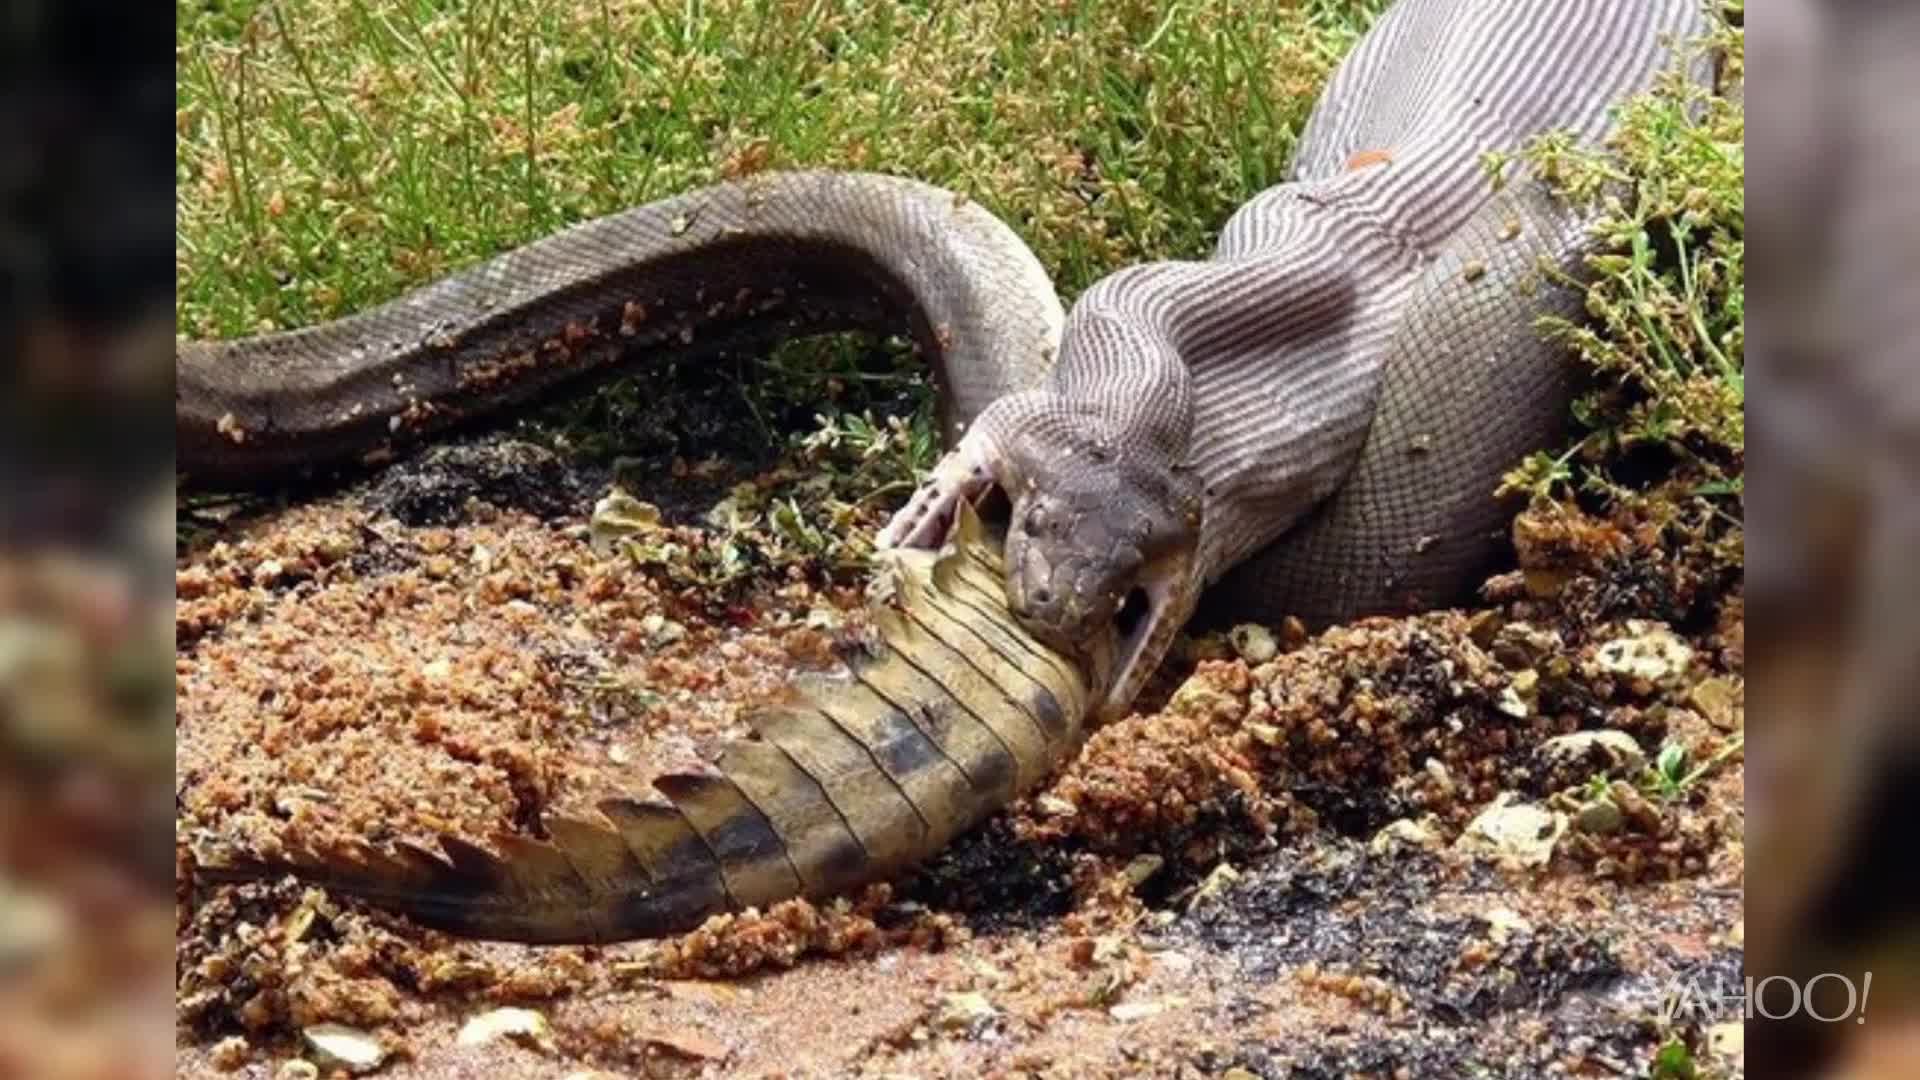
<point>1503,924</point>
<point>1513,832</point>
<point>1616,751</point>
<point>1650,651</point>
<point>1217,881</point>
<point>1143,867</point>
<point>661,631</point>
<point>1405,833</point>
<point>1517,700</point>
<point>1716,699</point>
<point>965,1011</point>
<point>1253,642</point>
<point>1641,813</point>
<point>1599,818</point>
<point>348,1048</point>
<point>1055,806</point>
<point>526,1026</point>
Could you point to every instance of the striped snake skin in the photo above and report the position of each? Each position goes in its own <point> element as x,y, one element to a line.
<point>1311,422</point>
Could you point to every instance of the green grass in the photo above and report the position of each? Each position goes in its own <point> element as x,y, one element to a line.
<point>336,152</point>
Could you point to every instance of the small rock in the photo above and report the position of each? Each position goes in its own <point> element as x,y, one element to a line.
<point>297,1069</point>
<point>1649,651</point>
<point>1264,734</point>
<point>1293,632</point>
<point>1437,771</point>
<point>438,670</point>
<point>301,921</point>
<point>1055,806</point>
<point>1217,881</point>
<point>1607,750</point>
<point>1599,817</point>
<point>230,1053</point>
<point>268,572</point>
<point>525,1026</point>
<point>1514,832</point>
<point>1405,833</point>
<point>1522,694</point>
<point>1511,705</point>
<point>1718,699</point>
<point>1643,815</point>
<point>1484,626</point>
<point>1238,1073</point>
<point>965,1011</point>
<point>1143,867</point>
<point>1523,645</point>
<point>343,1047</point>
<point>618,516</point>
<point>661,631</point>
<point>1253,642</point>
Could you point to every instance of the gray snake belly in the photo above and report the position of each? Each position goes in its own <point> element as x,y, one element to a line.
<point>1313,422</point>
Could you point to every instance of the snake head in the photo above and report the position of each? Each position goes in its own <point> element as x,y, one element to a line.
<point>1101,559</point>
<point>1101,547</point>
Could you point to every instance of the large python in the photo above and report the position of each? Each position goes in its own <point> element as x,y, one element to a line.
<point>1311,422</point>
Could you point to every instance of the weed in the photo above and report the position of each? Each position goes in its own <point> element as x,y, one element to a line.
<point>1664,430</point>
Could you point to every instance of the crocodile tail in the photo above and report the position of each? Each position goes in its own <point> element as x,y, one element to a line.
<point>848,779</point>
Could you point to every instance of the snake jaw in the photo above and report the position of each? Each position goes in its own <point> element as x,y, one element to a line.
<point>1165,596</point>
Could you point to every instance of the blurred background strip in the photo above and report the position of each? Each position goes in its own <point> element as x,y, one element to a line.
<point>86,633</point>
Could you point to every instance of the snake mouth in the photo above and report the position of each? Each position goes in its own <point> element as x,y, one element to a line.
<point>1142,627</point>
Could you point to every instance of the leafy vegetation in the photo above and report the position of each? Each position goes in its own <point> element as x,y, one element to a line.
<point>1665,430</point>
<point>336,152</point>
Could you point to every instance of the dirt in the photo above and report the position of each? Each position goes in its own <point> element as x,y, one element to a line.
<point>1258,876</point>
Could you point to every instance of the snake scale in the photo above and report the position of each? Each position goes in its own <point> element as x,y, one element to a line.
<point>1310,422</point>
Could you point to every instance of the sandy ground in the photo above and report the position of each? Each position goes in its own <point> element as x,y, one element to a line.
<point>1273,872</point>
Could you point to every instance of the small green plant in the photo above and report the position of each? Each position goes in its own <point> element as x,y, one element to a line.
<point>1664,430</point>
<point>1670,778</point>
<point>1669,774</point>
<point>1673,1061</point>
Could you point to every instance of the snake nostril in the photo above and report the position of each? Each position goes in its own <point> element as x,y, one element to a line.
<point>1043,595</point>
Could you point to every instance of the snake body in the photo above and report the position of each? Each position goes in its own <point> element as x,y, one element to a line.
<point>1311,422</point>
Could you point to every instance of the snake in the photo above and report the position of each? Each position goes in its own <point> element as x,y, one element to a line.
<point>1311,422</point>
